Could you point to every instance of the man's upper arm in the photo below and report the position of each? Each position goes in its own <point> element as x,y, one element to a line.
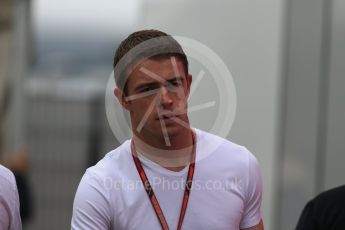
<point>17,222</point>
<point>91,207</point>
<point>253,194</point>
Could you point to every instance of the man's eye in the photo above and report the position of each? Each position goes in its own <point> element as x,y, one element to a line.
<point>177,83</point>
<point>146,89</point>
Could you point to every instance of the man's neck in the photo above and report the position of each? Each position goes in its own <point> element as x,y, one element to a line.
<point>173,157</point>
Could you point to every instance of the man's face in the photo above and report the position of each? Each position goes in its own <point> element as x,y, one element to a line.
<point>157,93</point>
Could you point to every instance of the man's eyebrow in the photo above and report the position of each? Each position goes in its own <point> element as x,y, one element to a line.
<point>155,83</point>
<point>176,78</point>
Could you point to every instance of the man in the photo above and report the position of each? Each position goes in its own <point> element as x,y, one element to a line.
<point>167,176</point>
<point>326,211</point>
<point>9,201</point>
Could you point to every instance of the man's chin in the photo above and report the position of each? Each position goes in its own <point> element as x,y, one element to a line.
<point>169,132</point>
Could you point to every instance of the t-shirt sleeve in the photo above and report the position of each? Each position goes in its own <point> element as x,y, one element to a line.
<point>17,222</point>
<point>253,195</point>
<point>91,207</point>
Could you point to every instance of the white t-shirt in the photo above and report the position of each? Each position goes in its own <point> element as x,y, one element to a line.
<point>226,190</point>
<point>9,201</point>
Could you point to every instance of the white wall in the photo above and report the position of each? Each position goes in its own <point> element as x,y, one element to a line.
<point>247,35</point>
<point>313,125</point>
<point>335,145</point>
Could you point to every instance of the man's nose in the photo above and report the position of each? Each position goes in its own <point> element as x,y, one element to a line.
<point>165,96</point>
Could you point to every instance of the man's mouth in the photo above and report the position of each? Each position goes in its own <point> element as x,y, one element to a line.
<point>166,116</point>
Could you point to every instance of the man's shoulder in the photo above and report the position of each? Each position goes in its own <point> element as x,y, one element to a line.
<point>211,143</point>
<point>113,162</point>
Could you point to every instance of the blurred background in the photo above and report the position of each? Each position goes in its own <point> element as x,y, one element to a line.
<point>287,58</point>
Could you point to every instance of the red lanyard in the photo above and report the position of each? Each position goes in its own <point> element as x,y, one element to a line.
<point>151,195</point>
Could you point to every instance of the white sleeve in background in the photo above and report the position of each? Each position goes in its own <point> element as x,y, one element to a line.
<point>252,214</point>
<point>91,209</point>
<point>9,201</point>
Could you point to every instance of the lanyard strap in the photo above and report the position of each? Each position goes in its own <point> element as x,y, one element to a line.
<point>151,195</point>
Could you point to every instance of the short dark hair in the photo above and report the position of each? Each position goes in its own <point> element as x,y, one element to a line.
<point>162,45</point>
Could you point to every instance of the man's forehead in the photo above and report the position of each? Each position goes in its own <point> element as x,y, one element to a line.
<point>168,61</point>
<point>152,68</point>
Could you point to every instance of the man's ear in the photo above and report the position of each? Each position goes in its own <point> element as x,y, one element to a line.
<point>121,98</point>
<point>189,84</point>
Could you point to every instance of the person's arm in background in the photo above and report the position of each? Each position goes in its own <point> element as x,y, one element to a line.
<point>19,164</point>
<point>306,220</point>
